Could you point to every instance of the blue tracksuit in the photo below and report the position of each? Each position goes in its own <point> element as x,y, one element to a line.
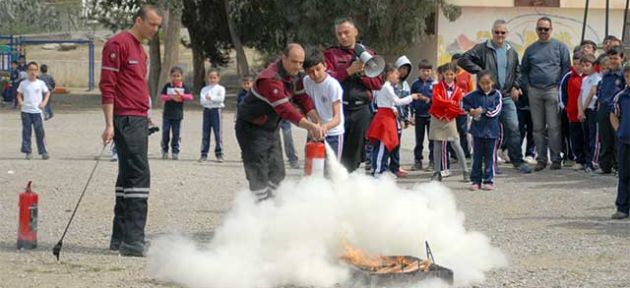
<point>612,82</point>
<point>420,110</point>
<point>485,130</point>
<point>620,105</point>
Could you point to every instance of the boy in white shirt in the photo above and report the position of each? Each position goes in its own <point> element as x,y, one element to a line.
<point>587,113</point>
<point>212,97</point>
<point>32,97</point>
<point>326,93</point>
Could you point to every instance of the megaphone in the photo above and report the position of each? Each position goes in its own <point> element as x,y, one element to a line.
<point>374,64</point>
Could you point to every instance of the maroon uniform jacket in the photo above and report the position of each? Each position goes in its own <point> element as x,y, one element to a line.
<point>357,89</point>
<point>272,98</point>
<point>123,76</point>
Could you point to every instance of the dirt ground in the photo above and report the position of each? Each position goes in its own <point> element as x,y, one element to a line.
<point>554,226</point>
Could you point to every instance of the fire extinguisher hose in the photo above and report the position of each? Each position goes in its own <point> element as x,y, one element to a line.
<point>57,248</point>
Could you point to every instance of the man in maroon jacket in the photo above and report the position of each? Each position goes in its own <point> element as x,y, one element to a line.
<point>125,100</point>
<point>271,99</point>
<point>344,66</point>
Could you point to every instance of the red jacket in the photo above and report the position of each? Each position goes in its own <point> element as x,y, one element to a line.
<point>123,76</point>
<point>573,91</point>
<point>355,89</point>
<point>272,97</point>
<point>444,107</point>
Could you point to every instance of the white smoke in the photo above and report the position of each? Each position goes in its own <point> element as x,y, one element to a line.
<point>295,239</point>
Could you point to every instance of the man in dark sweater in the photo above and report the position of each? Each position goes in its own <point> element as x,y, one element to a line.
<point>544,63</point>
<point>498,56</point>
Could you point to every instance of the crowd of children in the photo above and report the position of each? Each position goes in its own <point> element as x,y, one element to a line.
<point>594,98</point>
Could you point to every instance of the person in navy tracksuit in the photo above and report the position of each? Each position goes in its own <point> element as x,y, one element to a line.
<point>620,121</point>
<point>420,111</point>
<point>484,105</point>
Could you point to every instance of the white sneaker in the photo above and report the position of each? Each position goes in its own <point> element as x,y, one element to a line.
<point>500,159</point>
<point>530,160</point>
<point>504,156</point>
<point>445,173</point>
<point>577,167</point>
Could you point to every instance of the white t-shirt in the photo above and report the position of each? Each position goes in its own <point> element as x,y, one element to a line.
<point>387,98</point>
<point>324,94</point>
<point>216,93</point>
<point>33,92</point>
<point>587,84</point>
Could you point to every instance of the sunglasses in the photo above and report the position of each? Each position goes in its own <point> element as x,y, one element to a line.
<point>543,29</point>
<point>500,32</point>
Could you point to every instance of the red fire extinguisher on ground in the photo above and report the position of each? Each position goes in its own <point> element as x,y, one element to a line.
<point>315,157</point>
<point>27,230</point>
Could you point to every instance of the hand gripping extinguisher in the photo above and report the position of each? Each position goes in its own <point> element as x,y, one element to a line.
<point>315,157</point>
<point>27,230</point>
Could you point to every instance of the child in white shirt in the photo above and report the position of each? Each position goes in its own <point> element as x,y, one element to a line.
<point>212,98</point>
<point>383,131</point>
<point>32,97</point>
<point>327,95</point>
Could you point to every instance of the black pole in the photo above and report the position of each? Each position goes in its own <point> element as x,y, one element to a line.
<point>625,24</point>
<point>607,15</point>
<point>584,21</point>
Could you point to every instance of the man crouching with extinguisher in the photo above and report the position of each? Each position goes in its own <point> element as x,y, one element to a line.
<point>270,100</point>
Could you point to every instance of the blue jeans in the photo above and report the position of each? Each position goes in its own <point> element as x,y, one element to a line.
<point>287,141</point>
<point>30,121</point>
<point>511,132</point>
<point>484,149</point>
<point>211,120</point>
<point>167,126</point>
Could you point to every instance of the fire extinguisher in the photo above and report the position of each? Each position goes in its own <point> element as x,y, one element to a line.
<point>27,230</point>
<point>315,157</point>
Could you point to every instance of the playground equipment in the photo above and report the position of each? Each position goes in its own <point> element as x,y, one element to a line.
<point>14,46</point>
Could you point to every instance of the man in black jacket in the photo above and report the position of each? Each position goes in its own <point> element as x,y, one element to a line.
<point>498,56</point>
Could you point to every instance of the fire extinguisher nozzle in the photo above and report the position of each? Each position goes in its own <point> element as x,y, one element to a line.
<point>57,250</point>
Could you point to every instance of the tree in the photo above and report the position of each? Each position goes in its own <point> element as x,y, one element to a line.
<point>16,17</point>
<point>389,27</point>
<point>209,36</point>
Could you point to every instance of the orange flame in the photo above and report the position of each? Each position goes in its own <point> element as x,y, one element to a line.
<point>381,264</point>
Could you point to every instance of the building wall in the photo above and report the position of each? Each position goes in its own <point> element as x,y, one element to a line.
<point>474,25</point>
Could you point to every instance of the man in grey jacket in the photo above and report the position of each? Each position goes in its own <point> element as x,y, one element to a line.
<point>498,56</point>
<point>544,63</point>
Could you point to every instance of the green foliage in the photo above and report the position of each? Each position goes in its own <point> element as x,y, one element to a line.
<point>28,16</point>
<point>116,15</point>
<point>387,26</point>
<point>207,26</point>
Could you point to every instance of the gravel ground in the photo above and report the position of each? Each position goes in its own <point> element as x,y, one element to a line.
<point>553,225</point>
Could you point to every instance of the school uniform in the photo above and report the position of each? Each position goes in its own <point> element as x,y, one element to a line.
<point>485,130</point>
<point>420,110</point>
<point>612,82</point>
<point>620,105</point>
<point>383,131</point>
<point>172,115</point>
<point>211,98</point>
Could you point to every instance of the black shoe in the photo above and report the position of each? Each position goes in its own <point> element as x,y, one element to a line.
<point>540,166</point>
<point>127,251</point>
<point>619,215</point>
<point>555,166</point>
<point>114,245</point>
<point>203,158</point>
<point>294,165</point>
<point>437,176</point>
<point>417,166</point>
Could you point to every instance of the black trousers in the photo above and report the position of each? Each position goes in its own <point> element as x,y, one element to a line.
<point>357,121</point>
<point>132,184</point>
<point>607,139</point>
<point>261,152</point>
<point>422,128</point>
<point>567,148</point>
<point>462,129</point>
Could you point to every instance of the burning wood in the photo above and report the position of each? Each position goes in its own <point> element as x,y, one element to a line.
<point>383,264</point>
